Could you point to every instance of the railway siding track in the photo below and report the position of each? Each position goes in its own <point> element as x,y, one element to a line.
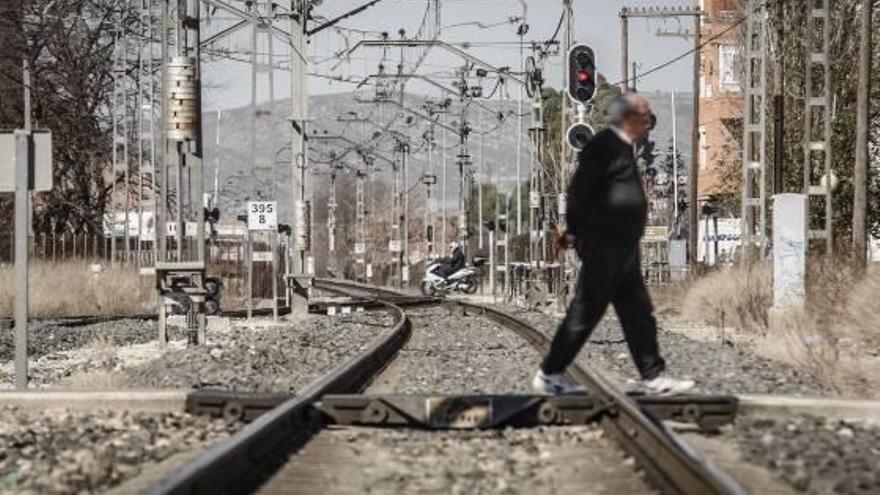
<point>241,462</point>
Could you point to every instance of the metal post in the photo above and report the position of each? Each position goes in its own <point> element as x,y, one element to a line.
<point>443,194</point>
<point>693,180</point>
<point>404,274</point>
<point>480,179</point>
<point>22,151</point>
<point>274,236</point>
<point>161,181</point>
<point>519,134</point>
<point>779,102</point>
<point>249,262</point>
<point>860,175</point>
<point>624,50</point>
<point>754,136</point>
<point>674,161</point>
<point>298,114</point>
<point>823,102</point>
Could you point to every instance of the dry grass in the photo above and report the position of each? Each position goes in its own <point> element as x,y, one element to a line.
<point>737,297</point>
<point>863,309</point>
<point>834,338</point>
<point>72,289</point>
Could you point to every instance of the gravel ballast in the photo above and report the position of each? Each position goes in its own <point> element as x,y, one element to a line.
<point>260,355</point>
<point>813,455</point>
<point>264,357</point>
<point>453,354</point>
<point>718,368</point>
<point>61,452</point>
<point>563,460</point>
<point>47,338</point>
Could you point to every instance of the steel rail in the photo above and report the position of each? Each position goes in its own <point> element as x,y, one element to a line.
<point>239,463</point>
<point>670,463</point>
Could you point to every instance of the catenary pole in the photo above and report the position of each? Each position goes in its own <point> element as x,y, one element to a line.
<point>860,175</point>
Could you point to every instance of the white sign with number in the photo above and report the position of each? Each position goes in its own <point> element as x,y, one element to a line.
<point>262,215</point>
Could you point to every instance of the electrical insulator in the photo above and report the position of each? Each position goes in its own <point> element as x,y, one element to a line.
<point>302,224</point>
<point>182,97</point>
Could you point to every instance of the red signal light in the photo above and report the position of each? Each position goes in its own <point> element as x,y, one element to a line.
<point>583,76</point>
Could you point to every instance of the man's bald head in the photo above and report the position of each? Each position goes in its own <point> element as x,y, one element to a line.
<point>631,113</point>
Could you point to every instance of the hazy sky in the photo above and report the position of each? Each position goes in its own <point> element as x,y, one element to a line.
<point>228,83</point>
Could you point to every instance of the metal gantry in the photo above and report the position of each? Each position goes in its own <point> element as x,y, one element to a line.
<point>818,175</point>
<point>754,164</point>
<point>181,276</point>
<point>120,138</point>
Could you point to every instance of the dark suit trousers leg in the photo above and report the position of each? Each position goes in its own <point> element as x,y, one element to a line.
<point>599,276</point>
<point>632,303</point>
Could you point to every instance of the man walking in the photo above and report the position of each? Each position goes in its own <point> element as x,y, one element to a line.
<point>607,212</point>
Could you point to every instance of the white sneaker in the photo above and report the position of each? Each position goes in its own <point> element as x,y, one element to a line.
<point>555,385</point>
<point>663,385</point>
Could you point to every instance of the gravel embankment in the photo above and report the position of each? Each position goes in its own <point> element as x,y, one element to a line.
<point>47,338</point>
<point>248,356</point>
<point>563,460</point>
<point>263,357</point>
<point>63,452</point>
<point>454,354</point>
<point>717,368</point>
<point>813,455</point>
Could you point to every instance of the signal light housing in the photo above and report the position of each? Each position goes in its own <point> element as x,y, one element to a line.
<point>582,74</point>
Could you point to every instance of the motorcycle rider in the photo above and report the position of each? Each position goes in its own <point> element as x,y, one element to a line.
<point>454,263</point>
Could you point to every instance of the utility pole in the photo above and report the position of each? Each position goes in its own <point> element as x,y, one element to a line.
<point>817,145</point>
<point>779,101</point>
<point>693,218</point>
<point>299,151</point>
<point>694,176</point>
<point>860,174</point>
<point>519,123</point>
<point>674,161</point>
<point>624,50</point>
<point>181,125</point>
<point>22,158</point>
<point>443,173</point>
<point>754,197</point>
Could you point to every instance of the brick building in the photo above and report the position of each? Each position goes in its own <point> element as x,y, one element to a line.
<point>721,103</point>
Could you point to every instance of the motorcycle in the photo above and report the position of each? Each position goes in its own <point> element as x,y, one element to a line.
<point>463,280</point>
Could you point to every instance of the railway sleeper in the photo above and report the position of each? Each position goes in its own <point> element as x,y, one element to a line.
<point>708,413</point>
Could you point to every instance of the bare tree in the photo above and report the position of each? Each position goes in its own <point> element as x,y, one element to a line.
<point>69,44</point>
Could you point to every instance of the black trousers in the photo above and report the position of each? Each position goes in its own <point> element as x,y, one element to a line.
<point>610,273</point>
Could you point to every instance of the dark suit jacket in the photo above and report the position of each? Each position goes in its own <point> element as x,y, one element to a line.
<point>606,197</point>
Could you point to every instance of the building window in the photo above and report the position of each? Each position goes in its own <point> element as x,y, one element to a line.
<point>727,69</point>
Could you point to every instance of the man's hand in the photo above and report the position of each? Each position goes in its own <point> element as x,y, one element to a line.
<point>564,240</point>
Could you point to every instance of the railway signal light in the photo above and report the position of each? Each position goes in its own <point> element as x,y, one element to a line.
<point>582,74</point>
<point>578,135</point>
<point>212,215</point>
<point>212,295</point>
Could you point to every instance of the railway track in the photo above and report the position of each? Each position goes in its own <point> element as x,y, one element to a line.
<point>263,449</point>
